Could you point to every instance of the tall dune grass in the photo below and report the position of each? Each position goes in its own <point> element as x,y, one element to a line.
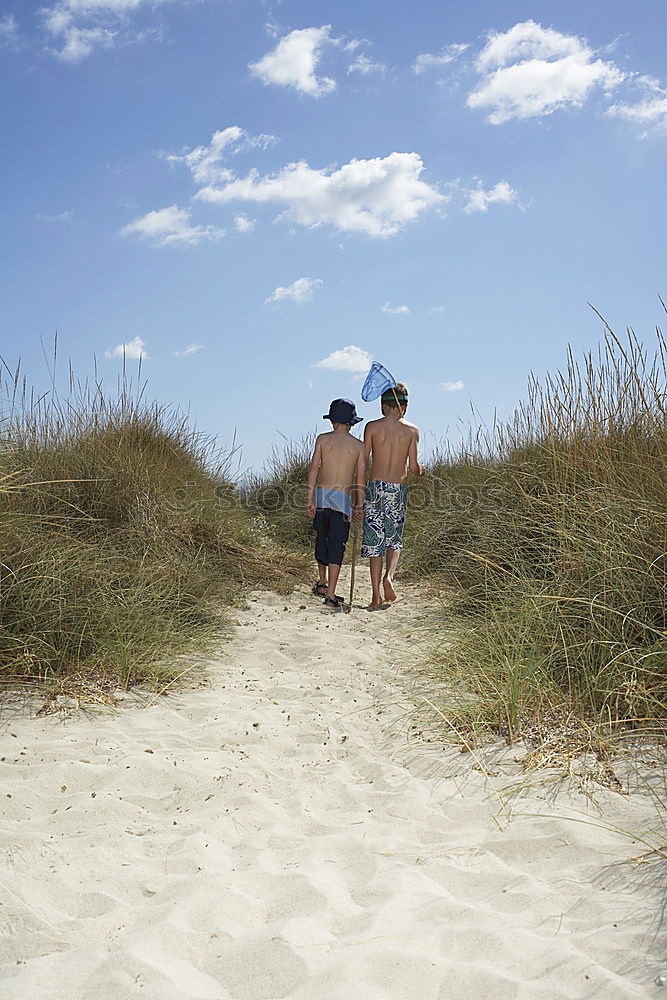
<point>551,530</point>
<point>120,533</point>
<point>278,494</point>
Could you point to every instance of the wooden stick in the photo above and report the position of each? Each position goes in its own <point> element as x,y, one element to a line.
<point>400,408</point>
<point>354,564</point>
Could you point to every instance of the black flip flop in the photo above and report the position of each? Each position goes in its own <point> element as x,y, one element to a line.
<point>320,589</point>
<point>333,602</point>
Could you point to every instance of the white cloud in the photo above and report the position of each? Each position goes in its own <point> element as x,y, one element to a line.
<point>292,63</point>
<point>106,6</point>
<point>243,224</point>
<point>448,54</point>
<point>437,309</point>
<point>396,310</point>
<point>528,40</point>
<point>377,196</point>
<point>348,359</point>
<point>651,111</point>
<point>205,162</point>
<point>501,193</point>
<point>188,351</point>
<point>301,290</point>
<point>531,71</point>
<point>82,26</point>
<point>81,42</point>
<point>170,227</point>
<point>452,386</point>
<point>60,217</point>
<point>133,350</point>
<point>362,64</point>
<point>9,32</point>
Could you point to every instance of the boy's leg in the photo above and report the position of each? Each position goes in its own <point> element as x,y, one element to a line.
<point>388,581</point>
<point>321,549</point>
<point>338,534</point>
<point>396,502</point>
<point>376,577</point>
<point>334,573</point>
<point>372,538</point>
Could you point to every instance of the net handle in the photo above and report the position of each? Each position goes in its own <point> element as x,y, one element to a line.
<point>400,410</point>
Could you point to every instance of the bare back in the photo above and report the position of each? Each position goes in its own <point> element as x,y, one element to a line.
<point>392,445</point>
<point>338,454</point>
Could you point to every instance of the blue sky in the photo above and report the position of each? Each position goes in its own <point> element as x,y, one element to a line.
<point>261,197</point>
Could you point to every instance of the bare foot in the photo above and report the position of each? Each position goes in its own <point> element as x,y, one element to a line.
<point>389,592</point>
<point>375,606</point>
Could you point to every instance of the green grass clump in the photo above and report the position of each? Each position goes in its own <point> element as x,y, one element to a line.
<point>120,534</point>
<point>278,494</point>
<point>551,531</point>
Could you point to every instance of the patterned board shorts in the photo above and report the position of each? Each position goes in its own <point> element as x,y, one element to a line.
<point>385,505</point>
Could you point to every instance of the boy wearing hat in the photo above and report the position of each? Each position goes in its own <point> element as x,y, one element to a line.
<point>336,482</point>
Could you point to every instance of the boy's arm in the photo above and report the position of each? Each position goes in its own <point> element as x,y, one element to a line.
<point>312,478</point>
<point>368,445</point>
<point>360,485</point>
<point>413,455</point>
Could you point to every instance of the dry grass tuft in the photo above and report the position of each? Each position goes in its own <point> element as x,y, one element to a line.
<point>120,534</point>
<point>551,533</point>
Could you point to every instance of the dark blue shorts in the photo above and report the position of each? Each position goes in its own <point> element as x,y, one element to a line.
<point>333,530</point>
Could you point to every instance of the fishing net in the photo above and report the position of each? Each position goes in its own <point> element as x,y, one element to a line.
<point>377,381</point>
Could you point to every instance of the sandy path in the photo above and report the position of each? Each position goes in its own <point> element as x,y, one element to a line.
<point>279,840</point>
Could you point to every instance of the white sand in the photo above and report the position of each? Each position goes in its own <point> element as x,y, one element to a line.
<point>281,840</point>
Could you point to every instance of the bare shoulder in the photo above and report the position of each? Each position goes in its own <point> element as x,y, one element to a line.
<point>413,428</point>
<point>374,423</point>
<point>359,444</point>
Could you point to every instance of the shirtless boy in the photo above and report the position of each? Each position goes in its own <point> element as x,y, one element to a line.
<point>391,443</point>
<point>338,460</point>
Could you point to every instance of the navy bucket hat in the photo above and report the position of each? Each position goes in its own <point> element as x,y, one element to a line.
<point>343,411</point>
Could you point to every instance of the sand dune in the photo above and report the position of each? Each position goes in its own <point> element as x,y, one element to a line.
<point>271,834</point>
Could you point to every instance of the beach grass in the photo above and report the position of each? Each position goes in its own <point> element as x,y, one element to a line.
<point>277,494</point>
<point>121,533</point>
<point>549,533</point>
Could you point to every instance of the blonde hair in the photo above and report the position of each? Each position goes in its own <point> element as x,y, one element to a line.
<point>389,396</point>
